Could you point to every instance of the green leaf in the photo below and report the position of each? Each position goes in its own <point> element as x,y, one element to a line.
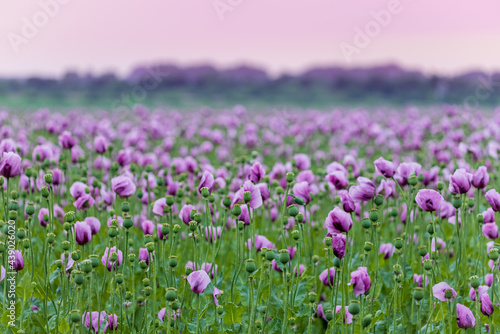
<point>234,314</point>
<point>64,326</point>
<point>25,287</point>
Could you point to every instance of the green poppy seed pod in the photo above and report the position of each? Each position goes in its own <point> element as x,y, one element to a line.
<point>241,225</point>
<point>393,212</point>
<point>112,232</point>
<point>300,218</point>
<point>430,228</point>
<point>263,310</point>
<point>13,206</point>
<point>367,320</point>
<point>299,201</point>
<point>180,193</point>
<point>250,266</point>
<point>114,223</point>
<point>420,177</point>
<point>270,255</point>
<point>198,217</point>
<point>328,241</point>
<point>474,281</point>
<point>422,250</point>
<point>247,196</point>
<point>75,316</point>
<point>95,260</point>
<point>119,278</point>
<point>21,233</point>
<point>373,215</point>
<point>293,211</point>
<point>148,291</point>
<point>65,245</point>
<point>315,258</point>
<point>412,180</point>
<point>226,202</point>
<point>176,228</point>
<point>30,209</point>
<point>87,190</point>
<point>143,264</point>
<point>397,269</point>
<point>470,202</point>
<point>211,198</point>
<point>448,293</point>
<point>69,217</point>
<point>128,222</point>
<point>368,246</point>
<point>440,185</point>
<point>26,243</point>
<point>480,218</point>
<point>379,200</point>
<point>75,255</point>
<point>125,207</point>
<point>131,257</point>
<point>169,200</point>
<point>284,256</point>
<point>111,212</point>
<point>12,215</point>
<point>398,243</point>
<point>48,178</point>
<point>188,270</point>
<point>336,262</point>
<point>493,254</point>
<point>45,192</point>
<point>289,177</point>
<point>312,297</point>
<point>51,238</point>
<point>165,229</point>
<point>291,321</point>
<point>150,246</point>
<point>258,324</point>
<point>329,315</point>
<point>366,223</point>
<point>24,194</point>
<point>296,234</point>
<point>146,282</point>
<point>428,265</point>
<point>140,299</point>
<point>149,168</point>
<point>95,183</point>
<point>113,256</point>
<point>354,307</point>
<point>175,304</point>
<point>171,294</point>
<point>205,192</point>
<point>280,191</point>
<point>172,261</point>
<point>399,278</point>
<point>128,295</point>
<point>336,200</point>
<point>193,225</point>
<point>456,202</point>
<point>58,263</point>
<point>418,293</point>
<point>78,277</point>
<point>45,217</point>
<point>86,266</point>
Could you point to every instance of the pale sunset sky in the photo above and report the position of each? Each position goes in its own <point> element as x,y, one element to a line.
<point>442,36</point>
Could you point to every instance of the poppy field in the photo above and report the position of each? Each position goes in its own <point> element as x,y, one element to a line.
<point>237,221</point>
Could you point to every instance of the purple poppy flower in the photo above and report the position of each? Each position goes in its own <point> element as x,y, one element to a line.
<point>347,316</point>
<point>488,279</point>
<point>493,197</point>
<point>43,211</point>
<point>404,171</point>
<point>490,231</point>
<point>70,264</point>
<point>486,305</point>
<point>112,322</point>
<point>66,140</point>
<point>338,179</point>
<point>429,200</point>
<point>77,189</point>
<point>387,249</point>
<point>384,167</point>
<point>148,227</point>
<point>300,271</point>
<point>106,258</point>
<point>327,276</point>
<point>159,206</point>
<point>10,165</point>
<point>465,317</point>
<point>2,273</point>
<point>212,233</point>
<point>480,178</point>
<point>15,259</point>
<point>123,186</point>
<point>338,221</point>
<point>245,215</point>
<point>264,191</point>
<point>439,291</point>
<point>347,202</point>
<point>364,191</point>
<point>301,190</point>
<point>185,213</point>
<point>257,172</point>
<point>198,280</point>
<point>256,198</point>
<point>339,245</point>
<point>302,161</point>
<point>97,320</point>
<point>83,233</point>
<point>84,202</point>
<point>100,144</point>
<point>360,281</point>
<point>275,266</point>
<point>446,210</point>
<point>215,294</point>
<point>460,182</point>
<point>207,180</point>
<point>34,308</point>
<point>260,242</point>
<point>418,279</point>
<point>145,256</point>
<point>387,188</point>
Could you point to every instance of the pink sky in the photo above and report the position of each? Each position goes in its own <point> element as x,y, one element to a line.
<point>445,36</point>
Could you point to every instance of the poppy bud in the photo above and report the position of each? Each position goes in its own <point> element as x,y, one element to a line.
<point>336,200</point>
<point>412,179</point>
<point>250,266</point>
<point>176,228</point>
<point>284,256</point>
<point>289,177</point>
<point>428,265</point>
<point>95,260</point>
<point>75,255</point>
<point>379,200</point>
<point>241,225</point>
<point>220,309</point>
<point>193,225</point>
<point>143,264</point>
<point>211,198</point>
<point>354,307</point>
<point>205,192</point>
<point>12,215</point>
<point>300,218</point>
<point>78,277</point>
<point>368,246</point>
<point>418,293</point>
<point>296,234</point>
<point>148,291</point>
<point>299,201</point>
<point>45,192</point>
<point>293,210</point>
<point>119,278</point>
<point>226,201</point>
<point>366,223</point>
<point>430,228</point>
<point>315,258</point>
<point>150,246</point>
<point>131,257</point>
<point>493,254</point>
<point>280,191</point>
<point>397,269</point>
<point>86,266</point>
<point>21,233</point>
<point>169,200</point>
<point>236,211</point>
<point>456,202</point>
<point>75,316</point>
<point>398,243</point>
<point>312,297</point>
<point>171,294</point>
<point>373,215</point>
<point>480,219</point>
<point>422,250</point>
<point>30,209</point>
<point>336,262</point>
<point>51,238</point>
<point>328,315</point>
<point>172,261</point>
<point>26,243</point>
<point>128,295</point>
<point>270,255</point>
<point>328,241</point>
<point>366,321</point>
